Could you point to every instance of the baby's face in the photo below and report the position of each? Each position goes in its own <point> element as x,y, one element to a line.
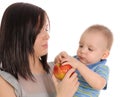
<point>92,47</point>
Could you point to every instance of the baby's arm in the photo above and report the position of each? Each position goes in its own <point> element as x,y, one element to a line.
<point>92,78</point>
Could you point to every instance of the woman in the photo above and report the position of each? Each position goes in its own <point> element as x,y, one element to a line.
<point>23,56</point>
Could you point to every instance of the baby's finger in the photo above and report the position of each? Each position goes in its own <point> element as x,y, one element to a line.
<point>64,54</point>
<point>69,73</point>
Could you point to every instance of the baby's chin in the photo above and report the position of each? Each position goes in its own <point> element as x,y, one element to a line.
<point>85,62</point>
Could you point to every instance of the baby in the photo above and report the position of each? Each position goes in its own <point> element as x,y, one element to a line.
<point>94,48</point>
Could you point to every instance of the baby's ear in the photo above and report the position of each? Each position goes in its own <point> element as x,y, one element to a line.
<point>106,54</point>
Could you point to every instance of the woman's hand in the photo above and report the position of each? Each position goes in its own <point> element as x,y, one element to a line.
<point>68,86</point>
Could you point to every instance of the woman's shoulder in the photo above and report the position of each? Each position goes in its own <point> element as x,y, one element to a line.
<point>9,83</point>
<point>8,77</point>
<point>6,90</point>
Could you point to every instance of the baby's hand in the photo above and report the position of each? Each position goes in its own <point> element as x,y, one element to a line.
<point>60,57</point>
<point>72,61</point>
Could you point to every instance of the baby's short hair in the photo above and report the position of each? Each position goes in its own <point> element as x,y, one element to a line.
<point>103,30</point>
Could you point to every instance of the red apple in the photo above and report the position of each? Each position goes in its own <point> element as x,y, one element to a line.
<point>60,70</point>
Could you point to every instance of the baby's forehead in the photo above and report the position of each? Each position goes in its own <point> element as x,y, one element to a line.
<point>93,39</point>
<point>93,34</point>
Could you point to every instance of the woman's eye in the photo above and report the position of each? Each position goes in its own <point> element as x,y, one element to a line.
<point>46,29</point>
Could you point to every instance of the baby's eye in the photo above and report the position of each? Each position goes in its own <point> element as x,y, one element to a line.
<point>80,46</point>
<point>90,49</point>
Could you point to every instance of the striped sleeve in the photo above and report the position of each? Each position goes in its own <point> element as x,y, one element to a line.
<point>103,71</point>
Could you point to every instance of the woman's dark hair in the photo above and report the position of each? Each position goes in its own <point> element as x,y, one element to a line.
<point>18,32</point>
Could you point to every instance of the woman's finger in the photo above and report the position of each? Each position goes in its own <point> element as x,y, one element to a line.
<point>55,81</point>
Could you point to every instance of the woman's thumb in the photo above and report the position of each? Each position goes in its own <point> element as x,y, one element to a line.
<point>55,81</point>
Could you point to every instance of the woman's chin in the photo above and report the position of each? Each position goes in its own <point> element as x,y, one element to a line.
<point>45,52</point>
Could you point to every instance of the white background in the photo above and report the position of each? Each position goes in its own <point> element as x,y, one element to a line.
<point>69,18</point>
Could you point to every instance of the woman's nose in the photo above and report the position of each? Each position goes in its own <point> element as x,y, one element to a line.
<point>46,36</point>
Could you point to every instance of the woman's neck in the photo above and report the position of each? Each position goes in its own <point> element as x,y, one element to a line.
<point>36,66</point>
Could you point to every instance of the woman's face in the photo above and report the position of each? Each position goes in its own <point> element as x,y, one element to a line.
<point>41,42</point>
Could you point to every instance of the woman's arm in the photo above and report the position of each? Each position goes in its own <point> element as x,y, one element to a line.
<point>6,90</point>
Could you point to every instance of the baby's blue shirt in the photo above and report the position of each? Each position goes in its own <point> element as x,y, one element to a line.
<point>85,90</point>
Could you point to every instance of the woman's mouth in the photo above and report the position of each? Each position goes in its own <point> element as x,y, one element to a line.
<point>45,46</point>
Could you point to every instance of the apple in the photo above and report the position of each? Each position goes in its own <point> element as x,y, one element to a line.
<point>60,70</point>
